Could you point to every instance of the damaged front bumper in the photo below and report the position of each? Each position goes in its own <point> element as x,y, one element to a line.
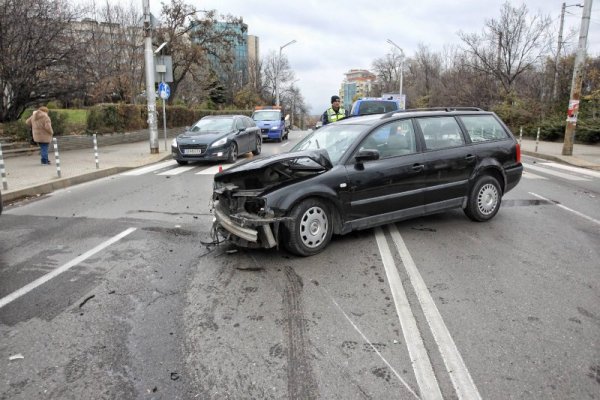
<point>245,229</point>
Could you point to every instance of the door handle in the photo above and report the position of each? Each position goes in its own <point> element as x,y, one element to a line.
<point>470,157</point>
<point>418,167</point>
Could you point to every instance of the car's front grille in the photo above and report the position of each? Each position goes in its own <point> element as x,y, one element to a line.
<point>264,131</point>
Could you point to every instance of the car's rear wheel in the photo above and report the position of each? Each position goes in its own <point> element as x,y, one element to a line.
<point>309,229</point>
<point>258,147</point>
<point>233,153</point>
<point>181,162</point>
<point>484,199</point>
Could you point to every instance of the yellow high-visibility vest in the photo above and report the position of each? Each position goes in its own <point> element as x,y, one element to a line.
<point>333,116</point>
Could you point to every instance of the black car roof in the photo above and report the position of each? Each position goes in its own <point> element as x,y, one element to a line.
<point>415,112</point>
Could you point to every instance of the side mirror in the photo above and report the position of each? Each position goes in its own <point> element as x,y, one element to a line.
<point>366,155</point>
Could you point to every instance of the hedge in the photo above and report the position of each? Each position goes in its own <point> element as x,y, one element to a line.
<point>110,118</point>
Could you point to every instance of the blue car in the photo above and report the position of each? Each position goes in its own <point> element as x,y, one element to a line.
<point>371,105</point>
<point>271,121</point>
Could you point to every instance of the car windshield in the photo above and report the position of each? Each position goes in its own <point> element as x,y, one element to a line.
<point>212,125</point>
<point>336,139</point>
<point>268,115</point>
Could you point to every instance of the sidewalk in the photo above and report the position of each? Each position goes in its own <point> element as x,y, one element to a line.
<point>25,175</point>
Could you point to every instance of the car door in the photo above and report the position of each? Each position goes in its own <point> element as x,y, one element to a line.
<point>253,132</point>
<point>390,187</point>
<point>242,136</point>
<point>448,162</point>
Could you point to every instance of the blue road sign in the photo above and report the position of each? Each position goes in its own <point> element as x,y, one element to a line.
<point>164,91</point>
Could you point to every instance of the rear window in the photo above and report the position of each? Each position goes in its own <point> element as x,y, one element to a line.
<point>374,107</point>
<point>440,132</point>
<point>483,128</point>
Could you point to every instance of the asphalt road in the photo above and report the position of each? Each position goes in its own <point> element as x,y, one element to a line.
<point>146,307</point>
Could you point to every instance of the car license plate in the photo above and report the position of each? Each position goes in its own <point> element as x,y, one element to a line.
<point>192,151</point>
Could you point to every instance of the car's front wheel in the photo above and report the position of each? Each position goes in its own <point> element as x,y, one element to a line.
<point>309,228</point>
<point>258,147</point>
<point>233,153</point>
<point>484,199</point>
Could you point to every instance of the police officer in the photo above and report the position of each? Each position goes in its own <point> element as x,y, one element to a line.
<point>335,112</point>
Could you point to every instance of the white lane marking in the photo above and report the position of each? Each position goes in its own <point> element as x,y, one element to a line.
<point>555,173</point>
<point>176,171</point>
<point>428,384</point>
<point>455,365</point>
<point>373,347</point>
<point>45,278</point>
<point>579,170</point>
<point>213,170</point>
<point>567,208</point>
<point>285,144</point>
<point>529,175</point>
<point>153,167</point>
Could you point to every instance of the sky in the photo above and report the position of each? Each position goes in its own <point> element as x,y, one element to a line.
<point>334,37</point>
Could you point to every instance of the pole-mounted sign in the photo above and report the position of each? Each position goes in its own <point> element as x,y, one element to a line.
<point>164,91</point>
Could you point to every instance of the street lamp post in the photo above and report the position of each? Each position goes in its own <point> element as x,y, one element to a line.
<point>401,68</point>
<point>277,73</point>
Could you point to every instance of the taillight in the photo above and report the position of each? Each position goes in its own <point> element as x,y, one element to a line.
<point>518,152</point>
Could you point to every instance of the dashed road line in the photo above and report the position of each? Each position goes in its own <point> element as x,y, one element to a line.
<point>65,267</point>
<point>567,209</point>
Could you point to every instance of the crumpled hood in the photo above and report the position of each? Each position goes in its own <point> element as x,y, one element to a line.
<point>268,172</point>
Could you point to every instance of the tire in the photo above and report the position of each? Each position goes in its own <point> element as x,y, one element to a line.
<point>258,147</point>
<point>233,153</point>
<point>484,200</point>
<point>181,162</point>
<point>309,229</point>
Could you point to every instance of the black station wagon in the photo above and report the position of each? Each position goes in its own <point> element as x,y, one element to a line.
<point>367,171</point>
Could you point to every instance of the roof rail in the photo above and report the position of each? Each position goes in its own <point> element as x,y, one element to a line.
<point>447,109</point>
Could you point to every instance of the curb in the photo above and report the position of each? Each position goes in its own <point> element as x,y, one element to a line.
<point>49,187</point>
<point>61,183</point>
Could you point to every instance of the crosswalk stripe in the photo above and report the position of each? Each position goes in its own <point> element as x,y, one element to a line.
<point>213,170</point>
<point>529,175</point>
<point>571,168</point>
<point>153,167</point>
<point>555,173</point>
<point>176,171</point>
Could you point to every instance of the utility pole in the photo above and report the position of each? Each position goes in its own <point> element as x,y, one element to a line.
<point>558,48</point>
<point>573,109</point>
<point>560,31</point>
<point>149,65</point>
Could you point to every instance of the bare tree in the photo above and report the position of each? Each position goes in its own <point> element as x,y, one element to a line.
<point>40,55</point>
<point>509,46</point>
<point>272,64</point>
<point>115,54</point>
<point>426,68</point>
<point>387,70</point>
